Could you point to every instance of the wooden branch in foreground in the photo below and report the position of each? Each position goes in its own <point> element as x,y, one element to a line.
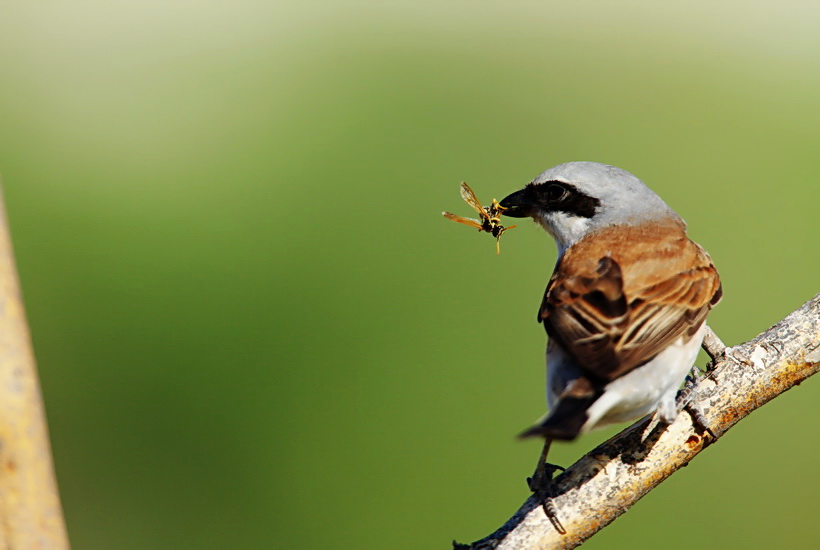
<point>30,512</point>
<point>611,478</point>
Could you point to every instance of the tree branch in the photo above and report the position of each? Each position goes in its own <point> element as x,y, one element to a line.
<point>611,478</point>
<point>30,513</point>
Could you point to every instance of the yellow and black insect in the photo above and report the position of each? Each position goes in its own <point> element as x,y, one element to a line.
<point>490,221</point>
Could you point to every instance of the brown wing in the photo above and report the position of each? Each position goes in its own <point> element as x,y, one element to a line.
<point>618,298</point>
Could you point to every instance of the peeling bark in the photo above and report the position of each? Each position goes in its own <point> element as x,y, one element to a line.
<point>606,482</point>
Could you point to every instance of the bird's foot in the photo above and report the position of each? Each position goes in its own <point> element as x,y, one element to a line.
<point>541,485</point>
<point>713,346</point>
<point>686,399</point>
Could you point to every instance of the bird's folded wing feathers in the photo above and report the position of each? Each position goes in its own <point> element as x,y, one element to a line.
<point>619,311</point>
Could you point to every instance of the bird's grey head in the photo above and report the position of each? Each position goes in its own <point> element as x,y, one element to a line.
<point>574,199</point>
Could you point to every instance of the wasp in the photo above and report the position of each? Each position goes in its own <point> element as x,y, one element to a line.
<point>490,221</point>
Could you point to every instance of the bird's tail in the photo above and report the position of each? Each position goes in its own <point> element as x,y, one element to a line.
<point>566,420</point>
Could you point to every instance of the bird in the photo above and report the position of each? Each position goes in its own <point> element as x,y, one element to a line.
<point>625,308</point>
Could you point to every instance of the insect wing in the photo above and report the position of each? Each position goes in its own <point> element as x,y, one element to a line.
<point>459,219</point>
<point>470,198</point>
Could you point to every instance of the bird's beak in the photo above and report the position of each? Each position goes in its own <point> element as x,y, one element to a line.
<point>518,205</point>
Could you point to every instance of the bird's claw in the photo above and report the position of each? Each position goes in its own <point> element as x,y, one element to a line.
<point>541,486</point>
<point>713,346</point>
<point>686,400</point>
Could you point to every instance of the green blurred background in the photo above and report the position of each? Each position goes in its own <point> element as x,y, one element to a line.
<point>254,328</point>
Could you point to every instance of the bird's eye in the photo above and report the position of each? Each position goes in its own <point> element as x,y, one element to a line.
<point>556,192</point>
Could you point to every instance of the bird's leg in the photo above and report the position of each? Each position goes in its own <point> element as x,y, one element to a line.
<point>686,400</point>
<point>541,485</point>
<point>713,346</point>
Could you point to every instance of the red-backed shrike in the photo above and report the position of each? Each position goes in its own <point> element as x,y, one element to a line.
<point>626,306</point>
